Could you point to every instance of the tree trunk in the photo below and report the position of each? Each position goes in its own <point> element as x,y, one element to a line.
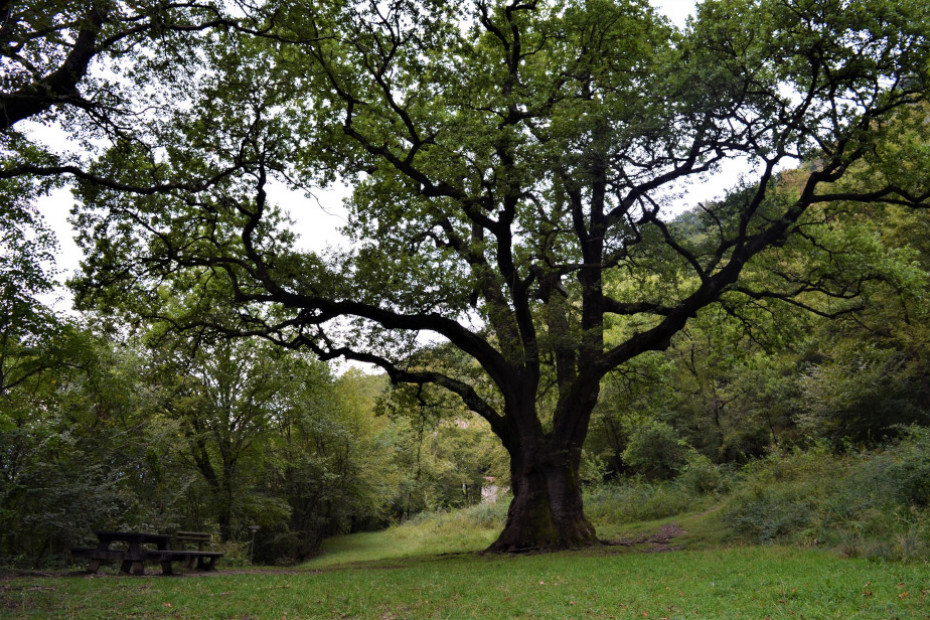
<point>546,512</point>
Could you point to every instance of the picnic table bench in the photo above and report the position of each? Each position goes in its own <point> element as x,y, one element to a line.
<point>205,559</point>
<point>132,559</point>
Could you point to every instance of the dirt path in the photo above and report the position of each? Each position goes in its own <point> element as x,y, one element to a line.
<point>659,541</point>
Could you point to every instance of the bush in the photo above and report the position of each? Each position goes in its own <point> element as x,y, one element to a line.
<point>871,504</point>
<point>655,451</point>
<point>911,467</point>
<point>637,500</point>
<point>700,475</point>
<point>765,514</point>
<point>788,497</point>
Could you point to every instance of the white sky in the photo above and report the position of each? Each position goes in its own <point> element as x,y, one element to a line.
<point>317,220</point>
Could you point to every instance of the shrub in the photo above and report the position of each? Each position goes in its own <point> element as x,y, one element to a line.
<point>871,504</point>
<point>765,514</point>
<point>911,467</point>
<point>701,475</point>
<point>655,451</point>
<point>637,500</point>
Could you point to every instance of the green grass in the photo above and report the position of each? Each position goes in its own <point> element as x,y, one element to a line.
<point>473,529</point>
<point>463,531</point>
<point>429,568</point>
<point>760,582</point>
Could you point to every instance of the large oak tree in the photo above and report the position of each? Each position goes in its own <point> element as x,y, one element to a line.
<point>516,167</point>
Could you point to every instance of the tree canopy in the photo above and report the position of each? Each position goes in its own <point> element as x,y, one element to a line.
<point>516,167</point>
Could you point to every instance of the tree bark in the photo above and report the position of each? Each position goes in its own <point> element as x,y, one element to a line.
<point>547,512</point>
<point>59,86</point>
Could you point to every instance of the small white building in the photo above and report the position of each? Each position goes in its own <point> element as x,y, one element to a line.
<point>491,492</point>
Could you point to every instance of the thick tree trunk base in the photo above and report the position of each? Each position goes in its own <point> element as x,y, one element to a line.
<point>546,514</point>
<point>530,540</point>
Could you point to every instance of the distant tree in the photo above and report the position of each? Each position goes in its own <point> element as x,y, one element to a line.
<point>224,397</point>
<point>27,249</point>
<point>514,166</point>
<point>656,451</point>
<point>868,376</point>
<point>329,461</point>
<point>445,451</point>
<point>68,437</point>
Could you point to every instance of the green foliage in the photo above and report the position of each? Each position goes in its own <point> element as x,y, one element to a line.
<point>60,480</point>
<point>31,335</point>
<point>655,451</point>
<point>327,463</point>
<point>861,394</point>
<point>158,439</point>
<point>627,501</point>
<point>865,504</point>
<point>447,451</point>
<point>702,475</point>
<point>755,374</point>
<point>910,468</point>
<point>59,492</point>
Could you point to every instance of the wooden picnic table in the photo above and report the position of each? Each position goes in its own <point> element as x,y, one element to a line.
<point>182,539</point>
<point>132,559</point>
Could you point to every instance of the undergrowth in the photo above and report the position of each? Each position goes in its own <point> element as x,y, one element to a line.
<point>872,504</point>
<point>864,504</point>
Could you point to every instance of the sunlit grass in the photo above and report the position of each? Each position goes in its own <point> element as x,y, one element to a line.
<point>474,529</point>
<point>462,531</point>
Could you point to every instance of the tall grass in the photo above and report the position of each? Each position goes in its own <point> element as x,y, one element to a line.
<point>636,500</point>
<point>433,533</point>
<point>863,504</point>
<point>871,504</point>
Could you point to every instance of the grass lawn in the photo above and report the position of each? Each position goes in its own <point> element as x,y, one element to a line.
<point>398,574</point>
<point>768,582</point>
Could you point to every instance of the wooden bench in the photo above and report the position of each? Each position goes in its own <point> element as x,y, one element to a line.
<point>206,560</point>
<point>181,540</point>
<point>132,560</point>
<point>98,555</point>
<point>198,538</point>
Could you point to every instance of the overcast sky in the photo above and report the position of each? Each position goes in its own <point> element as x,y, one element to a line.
<point>318,219</point>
